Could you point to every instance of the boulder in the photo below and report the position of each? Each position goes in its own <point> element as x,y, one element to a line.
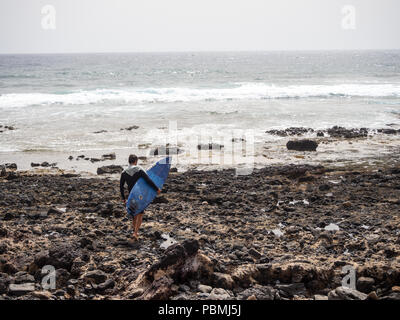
<point>302,145</point>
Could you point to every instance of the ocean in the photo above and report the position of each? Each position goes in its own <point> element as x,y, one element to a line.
<point>71,104</point>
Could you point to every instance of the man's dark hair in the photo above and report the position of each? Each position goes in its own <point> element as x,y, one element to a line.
<point>132,159</point>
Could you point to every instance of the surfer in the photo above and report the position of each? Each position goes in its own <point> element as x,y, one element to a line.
<point>130,176</point>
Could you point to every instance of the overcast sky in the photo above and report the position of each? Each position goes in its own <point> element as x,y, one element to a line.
<point>197,25</point>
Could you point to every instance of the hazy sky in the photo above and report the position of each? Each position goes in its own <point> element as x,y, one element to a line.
<point>197,25</point>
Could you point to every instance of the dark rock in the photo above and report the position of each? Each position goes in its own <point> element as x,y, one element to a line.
<point>131,128</point>
<point>54,210</point>
<point>293,131</point>
<point>290,290</point>
<point>111,169</point>
<point>253,252</point>
<point>365,284</point>
<point>62,277</point>
<point>222,280</point>
<point>340,132</point>
<point>345,293</point>
<point>108,284</point>
<point>4,282</point>
<point>11,166</point>
<point>210,146</point>
<point>302,145</point>
<point>110,156</point>
<point>392,296</point>
<point>164,151</point>
<point>260,292</point>
<point>23,277</point>
<point>96,276</point>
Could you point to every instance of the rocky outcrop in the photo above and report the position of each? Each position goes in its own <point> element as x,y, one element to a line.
<point>180,263</point>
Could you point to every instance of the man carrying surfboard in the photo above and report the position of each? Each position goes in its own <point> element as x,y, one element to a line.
<point>130,176</point>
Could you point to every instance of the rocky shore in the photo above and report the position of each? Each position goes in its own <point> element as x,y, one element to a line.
<point>283,232</point>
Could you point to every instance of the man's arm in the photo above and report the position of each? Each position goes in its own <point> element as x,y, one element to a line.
<point>121,186</point>
<point>144,175</point>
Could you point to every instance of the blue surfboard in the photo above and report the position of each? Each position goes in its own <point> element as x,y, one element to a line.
<point>144,194</point>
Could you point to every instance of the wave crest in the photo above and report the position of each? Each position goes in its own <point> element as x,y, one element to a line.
<point>244,91</point>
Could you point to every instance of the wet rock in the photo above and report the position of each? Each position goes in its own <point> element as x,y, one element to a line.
<point>131,128</point>
<point>210,146</point>
<point>340,132</point>
<point>111,169</point>
<point>164,151</point>
<point>345,293</point>
<point>11,166</point>
<point>110,156</point>
<point>292,131</point>
<point>302,145</point>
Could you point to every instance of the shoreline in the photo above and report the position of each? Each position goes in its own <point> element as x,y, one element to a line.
<point>336,146</point>
<point>277,224</point>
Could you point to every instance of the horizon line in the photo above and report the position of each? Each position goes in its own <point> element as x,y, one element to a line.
<point>198,51</point>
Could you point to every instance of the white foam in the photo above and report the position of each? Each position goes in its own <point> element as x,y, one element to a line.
<point>242,91</point>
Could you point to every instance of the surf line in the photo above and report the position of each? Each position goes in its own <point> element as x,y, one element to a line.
<point>168,310</point>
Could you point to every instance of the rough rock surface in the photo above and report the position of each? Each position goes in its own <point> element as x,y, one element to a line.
<point>268,238</point>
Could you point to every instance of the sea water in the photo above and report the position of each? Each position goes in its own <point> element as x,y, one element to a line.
<point>78,103</point>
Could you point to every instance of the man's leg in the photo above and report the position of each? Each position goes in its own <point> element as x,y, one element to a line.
<point>137,224</point>
<point>134,221</point>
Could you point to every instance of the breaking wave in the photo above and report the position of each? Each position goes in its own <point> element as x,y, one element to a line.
<point>243,91</point>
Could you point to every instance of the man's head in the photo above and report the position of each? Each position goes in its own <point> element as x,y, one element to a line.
<point>133,159</point>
